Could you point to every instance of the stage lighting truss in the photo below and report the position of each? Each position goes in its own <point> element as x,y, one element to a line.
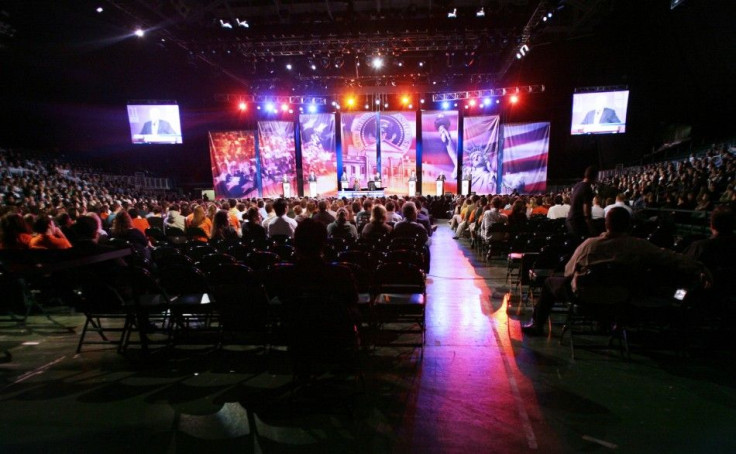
<point>474,94</point>
<point>275,100</point>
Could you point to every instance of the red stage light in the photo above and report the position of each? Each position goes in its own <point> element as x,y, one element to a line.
<point>284,107</point>
<point>472,103</point>
<point>242,106</point>
<point>404,100</point>
<point>514,99</point>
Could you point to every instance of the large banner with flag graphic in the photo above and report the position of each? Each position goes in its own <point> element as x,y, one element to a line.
<point>319,158</point>
<point>439,149</point>
<point>233,159</point>
<point>398,150</point>
<point>525,150</point>
<point>277,155</point>
<point>359,148</point>
<point>480,153</point>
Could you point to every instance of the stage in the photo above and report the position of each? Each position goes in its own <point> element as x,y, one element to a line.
<point>361,193</point>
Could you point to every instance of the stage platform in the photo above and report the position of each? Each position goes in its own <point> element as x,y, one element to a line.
<point>361,193</point>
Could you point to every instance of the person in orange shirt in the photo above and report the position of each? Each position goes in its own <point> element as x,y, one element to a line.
<point>537,207</point>
<point>14,232</point>
<point>138,222</point>
<point>48,236</point>
<point>200,220</point>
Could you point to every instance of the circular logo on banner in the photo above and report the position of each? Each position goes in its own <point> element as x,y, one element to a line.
<point>395,132</point>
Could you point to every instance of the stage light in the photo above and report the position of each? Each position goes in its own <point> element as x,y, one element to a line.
<point>421,101</point>
<point>487,102</point>
<point>367,107</point>
<point>314,67</point>
<point>378,102</point>
<point>472,103</point>
<point>411,106</point>
<point>334,103</point>
<point>498,101</point>
<point>481,12</point>
<point>312,108</point>
<point>284,107</point>
<point>466,106</point>
<point>301,109</point>
<point>386,105</point>
<point>339,62</point>
<point>243,24</point>
<point>421,64</point>
<point>518,56</point>
<point>445,105</point>
<point>258,107</point>
<point>452,14</point>
<point>350,102</point>
<point>549,15</point>
<point>224,24</point>
<point>288,66</point>
<point>99,9</point>
<point>270,107</point>
<point>291,111</point>
<point>514,99</point>
<point>139,32</point>
<point>242,106</point>
<point>405,100</point>
<point>377,62</point>
<point>337,107</point>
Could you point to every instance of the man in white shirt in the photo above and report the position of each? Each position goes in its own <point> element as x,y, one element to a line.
<point>620,202</point>
<point>558,210</point>
<point>280,224</point>
<point>597,211</point>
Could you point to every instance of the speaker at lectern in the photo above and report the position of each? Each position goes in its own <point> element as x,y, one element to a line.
<point>412,188</point>
<point>312,189</point>
<point>287,189</point>
<point>465,187</point>
<point>439,188</point>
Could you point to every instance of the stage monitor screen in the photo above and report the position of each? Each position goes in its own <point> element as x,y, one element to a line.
<point>601,112</point>
<point>154,123</point>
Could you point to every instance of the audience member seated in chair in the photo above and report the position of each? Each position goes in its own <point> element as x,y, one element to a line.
<point>615,245</point>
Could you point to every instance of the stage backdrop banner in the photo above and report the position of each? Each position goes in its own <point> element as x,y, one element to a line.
<point>277,156</point>
<point>233,160</point>
<point>480,153</point>
<point>318,152</point>
<point>439,149</point>
<point>398,150</point>
<point>359,156</point>
<point>524,163</point>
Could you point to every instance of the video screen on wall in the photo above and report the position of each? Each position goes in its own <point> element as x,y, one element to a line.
<point>599,112</point>
<point>154,123</point>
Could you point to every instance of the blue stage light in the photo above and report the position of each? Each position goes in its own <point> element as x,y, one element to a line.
<point>445,105</point>
<point>312,108</point>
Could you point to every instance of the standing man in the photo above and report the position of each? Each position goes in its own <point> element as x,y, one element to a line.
<point>580,216</point>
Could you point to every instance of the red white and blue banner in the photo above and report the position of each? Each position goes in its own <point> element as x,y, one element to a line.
<point>359,148</point>
<point>525,151</point>
<point>480,153</point>
<point>277,156</point>
<point>398,150</point>
<point>319,158</point>
<point>233,160</point>
<point>439,149</point>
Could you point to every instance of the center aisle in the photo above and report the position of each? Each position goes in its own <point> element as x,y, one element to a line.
<point>469,394</point>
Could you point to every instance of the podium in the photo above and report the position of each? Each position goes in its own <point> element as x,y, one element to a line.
<point>377,184</point>
<point>465,187</point>
<point>412,188</point>
<point>312,189</point>
<point>287,190</point>
<point>439,188</point>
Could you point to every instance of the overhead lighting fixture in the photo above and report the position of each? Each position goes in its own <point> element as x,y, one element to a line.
<point>99,9</point>
<point>481,12</point>
<point>139,32</point>
<point>452,14</point>
<point>288,66</point>
<point>243,24</point>
<point>377,62</point>
<point>224,24</point>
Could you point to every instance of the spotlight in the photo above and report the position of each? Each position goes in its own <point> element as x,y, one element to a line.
<point>514,99</point>
<point>139,32</point>
<point>411,106</point>
<point>284,107</point>
<point>314,67</point>
<point>480,13</point>
<point>377,62</point>
<point>386,105</point>
<point>350,102</point>
<point>312,108</point>
<point>518,56</point>
<point>291,111</point>
<point>288,66</point>
<point>549,15</point>
<point>242,106</point>
<point>99,9</point>
<point>445,105</point>
<point>258,107</point>
<point>452,14</point>
<point>421,101</point>
<point>301,109</point>
<point>378,102</point>
<point>339,62</point>
<point>243,24</point>
<point>472,103</point>
<point>270,107</point>
<point>367,107</point>
<point>421,64</point>
<point>487,102</point>
<point>224,24</point>
<point>544,19</point>
<point>404,100</point>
